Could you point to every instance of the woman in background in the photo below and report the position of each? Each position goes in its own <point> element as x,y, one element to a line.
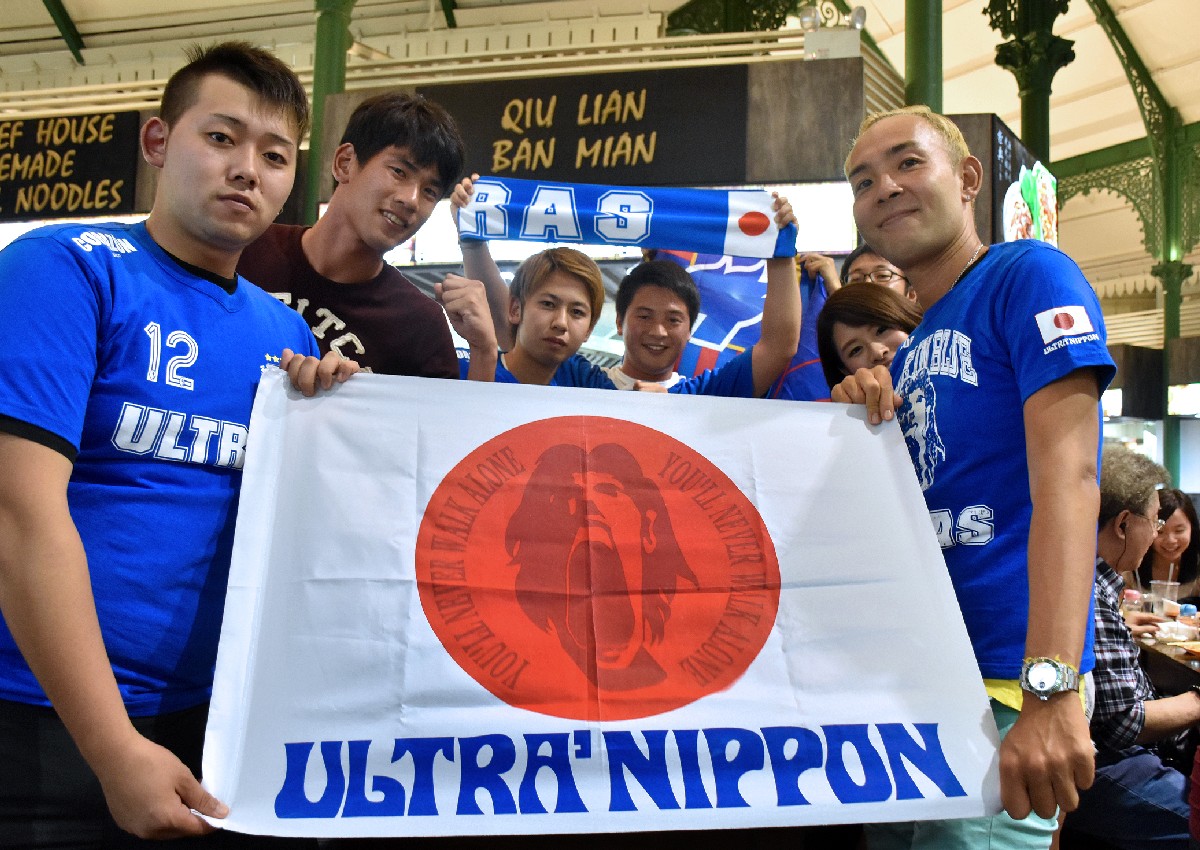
<point>862,326</point>
<point>1175,553</point>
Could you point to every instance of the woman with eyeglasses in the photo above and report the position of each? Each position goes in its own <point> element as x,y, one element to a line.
<point>1176,549</point>
<point>862,326</point>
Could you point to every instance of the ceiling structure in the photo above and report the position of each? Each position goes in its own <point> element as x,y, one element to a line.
<point>132,45</point>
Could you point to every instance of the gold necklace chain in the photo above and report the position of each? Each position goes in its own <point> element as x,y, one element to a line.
<point>967,267</point>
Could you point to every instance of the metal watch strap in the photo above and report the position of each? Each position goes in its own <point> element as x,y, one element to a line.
<point>1068,677</point>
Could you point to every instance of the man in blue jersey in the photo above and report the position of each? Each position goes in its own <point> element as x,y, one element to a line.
<point>1002,379</point>
<point>651,301</point>
<point>553,304</point>
<point>123,427</point>
<point>657,305</point>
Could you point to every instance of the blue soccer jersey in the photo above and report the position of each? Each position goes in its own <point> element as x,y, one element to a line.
<point>1023,318</point>
<point>734,379</point>
<point>575,371</point>
<point>150,373</point>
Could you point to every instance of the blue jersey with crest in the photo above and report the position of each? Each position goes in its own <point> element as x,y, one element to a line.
<point>150,373</point>
<point>1023,318</point>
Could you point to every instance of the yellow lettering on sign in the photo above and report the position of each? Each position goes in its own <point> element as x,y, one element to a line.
<point>618,150</point>
<point>521,115</point>
<point>616,107</point>
<point>10,131</point>
<point>529,155</point>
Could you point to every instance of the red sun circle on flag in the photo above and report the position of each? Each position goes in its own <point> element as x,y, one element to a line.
<point>1064,321</point>
<point>592,568</point>
<point>754,223</point>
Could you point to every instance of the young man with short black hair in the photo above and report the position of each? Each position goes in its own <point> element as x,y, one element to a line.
<point>399,155</point>
<point>123,427</point>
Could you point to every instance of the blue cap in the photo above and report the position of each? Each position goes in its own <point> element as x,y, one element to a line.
<point>1187,609</point>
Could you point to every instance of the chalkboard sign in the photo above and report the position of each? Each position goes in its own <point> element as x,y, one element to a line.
<point>70,166</point>
<point>644,128</point>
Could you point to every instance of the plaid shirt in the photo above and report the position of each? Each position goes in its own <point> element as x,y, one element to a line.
<point>1122,687</point>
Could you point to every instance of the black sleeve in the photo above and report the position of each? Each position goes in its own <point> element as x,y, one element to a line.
<point>22,429</point>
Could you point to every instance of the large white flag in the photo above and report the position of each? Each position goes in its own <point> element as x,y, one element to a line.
<point>462,608</point>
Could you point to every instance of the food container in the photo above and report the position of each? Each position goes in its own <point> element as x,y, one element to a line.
<point>1172,631</point>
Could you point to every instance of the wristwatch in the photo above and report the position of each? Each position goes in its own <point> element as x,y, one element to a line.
<point>1044,677</point>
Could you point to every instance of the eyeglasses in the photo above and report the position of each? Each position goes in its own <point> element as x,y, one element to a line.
<point>1156,522</point>
<point>877,276</point>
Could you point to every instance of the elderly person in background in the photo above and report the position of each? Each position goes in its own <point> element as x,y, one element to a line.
<point>1136,801</point>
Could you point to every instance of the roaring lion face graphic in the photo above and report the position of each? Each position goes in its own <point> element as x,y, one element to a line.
<point>597,561</point>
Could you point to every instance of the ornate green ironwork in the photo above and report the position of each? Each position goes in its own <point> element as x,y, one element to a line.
<point>1014,18</point>
<point>1173,180</point>
<point>1033,54</point>
<point>1135,180</point>
<point>832,13</point>
<point>1034,59</point>
<point>1171,183</point>
<point>1189,179</point>
<point>716,16</point>
<point>1157,114</point>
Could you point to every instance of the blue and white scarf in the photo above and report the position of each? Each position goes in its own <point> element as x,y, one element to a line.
<point>733,222</point>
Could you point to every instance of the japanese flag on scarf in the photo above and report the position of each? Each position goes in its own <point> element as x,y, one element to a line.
<point>750,230</point>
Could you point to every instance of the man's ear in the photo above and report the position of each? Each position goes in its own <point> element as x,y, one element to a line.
<point>514,311</point>
<point>153,141</point>
<point>971,172</point>
<point>345,160</point>
<point>620,325</point>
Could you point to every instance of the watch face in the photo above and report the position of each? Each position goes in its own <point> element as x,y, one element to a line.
<point>1042,676</point>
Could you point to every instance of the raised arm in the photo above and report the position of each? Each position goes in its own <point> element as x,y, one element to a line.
<point>819,264</point>
<point>781,313</point>
<point>479,265</point>
<point>46,598</point>
<point>1048,754</point>
<point>466,305</point>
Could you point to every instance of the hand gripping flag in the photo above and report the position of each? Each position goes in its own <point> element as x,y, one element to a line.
<point>738,222</point>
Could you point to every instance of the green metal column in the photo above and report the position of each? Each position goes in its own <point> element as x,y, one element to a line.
<point>1172,274</point>
<point>1173,167</point>
<point>923,53</point>
<point>66,28</point>
<point>1033,55</point>
<point>1172,271</point>
<point>333,39</point>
